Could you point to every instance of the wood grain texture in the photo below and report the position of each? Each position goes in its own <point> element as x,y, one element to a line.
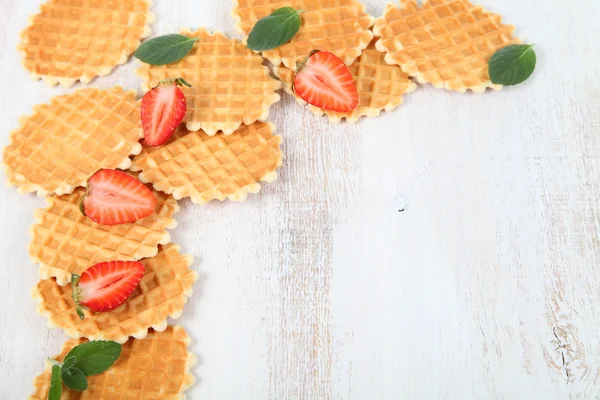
<point>485,287</point>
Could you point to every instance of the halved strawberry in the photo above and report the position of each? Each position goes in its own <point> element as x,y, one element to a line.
<point>163,109</point>
<point>113,197</point>
<point>106,286</point>
<point>324,81</point>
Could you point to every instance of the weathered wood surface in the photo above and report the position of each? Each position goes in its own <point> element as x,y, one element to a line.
<point>486,287</point>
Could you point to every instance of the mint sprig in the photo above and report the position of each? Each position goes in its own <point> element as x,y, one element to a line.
<point>90,358</point>
<point>512,64</point>
<point>274,30</point>
<point>166,49</point>
<point>95,357</point>
<point>55,390</point>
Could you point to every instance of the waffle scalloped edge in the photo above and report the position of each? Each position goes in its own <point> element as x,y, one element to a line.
<point>85,79</point>
<point>25,186</point>
<point>63,277</point>
<point>188,380</point>
<point>142,333</point>
<point>227,128</point>
<point>239,196</point>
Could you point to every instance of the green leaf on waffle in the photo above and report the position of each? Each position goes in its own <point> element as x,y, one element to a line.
<point>95,357</point>
<point>166,49</point>
<point>274,30</point>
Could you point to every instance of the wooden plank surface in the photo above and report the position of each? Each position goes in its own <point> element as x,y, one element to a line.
<point>486,287</point>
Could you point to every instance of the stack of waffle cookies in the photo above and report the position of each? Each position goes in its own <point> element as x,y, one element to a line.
<point>222,150</point>
<point>53,153</point>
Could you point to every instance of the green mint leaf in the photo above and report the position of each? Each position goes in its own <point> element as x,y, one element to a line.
<point>165,49</point>
<point>69,362</point>
<point>95,357</point>
<point>74,379</point>
<point>55,390</point>
<point>274,30</point>
<point>512,64</point>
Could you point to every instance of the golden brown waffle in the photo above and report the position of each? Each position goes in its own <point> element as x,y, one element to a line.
<point>64,241</point>
<point>162,293</point>
<point>157,367</point>
<point>63,143</point>
<point>72,40</point>
<point>380,87</point>
<point>193,164</point>
<point>338,26</point>
<point>445,42</point>
<point>230,84</point>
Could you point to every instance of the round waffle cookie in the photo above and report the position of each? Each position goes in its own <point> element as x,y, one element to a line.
<point>64,241</point>
<point>63,143</point>
<point>445,42</point>
<point>162,293</point>
<point>157,367</point>
<point>230,84</point>
<point>72,40</point>
<point>339,26</point>
<point>380,87</point>
<point>203,167</point>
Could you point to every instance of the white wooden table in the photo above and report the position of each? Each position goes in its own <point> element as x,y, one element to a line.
<point>486,287</point>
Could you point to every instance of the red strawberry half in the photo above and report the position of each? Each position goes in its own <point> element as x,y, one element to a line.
<point>106,286</point>
<point>324,81</point>
<point>163,109</point>
<point>113,197</point>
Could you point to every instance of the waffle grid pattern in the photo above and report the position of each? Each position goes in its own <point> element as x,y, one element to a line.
<point>72,40</point>
<point>380,87</point>
<point>162,293</point>
<point>64,241</point>
<point>157,367</point>
<point>57,148</point>
<point>230,84</point>
<point>339,26</point>
<point>445,42</point>
<point>220,167</point>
